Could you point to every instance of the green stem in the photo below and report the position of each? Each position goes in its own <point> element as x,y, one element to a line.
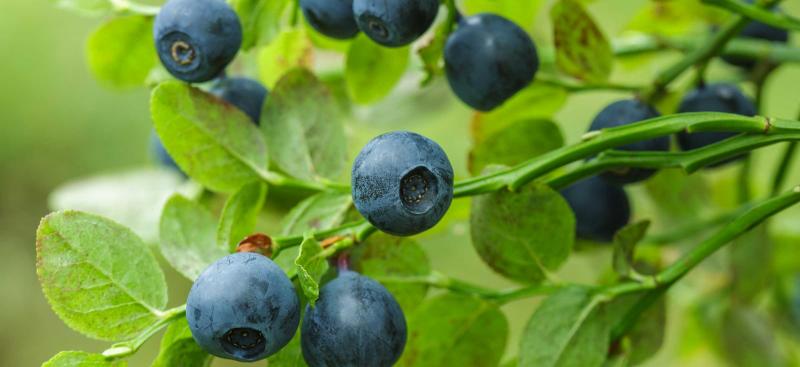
<point>442,281</point>
<point>755,12</point>
<point>127,348</point>
<point>737,47</point>
<point>277,179</point>
<point>669,276</point>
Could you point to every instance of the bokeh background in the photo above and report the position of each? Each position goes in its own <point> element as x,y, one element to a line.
<point>58,124</point>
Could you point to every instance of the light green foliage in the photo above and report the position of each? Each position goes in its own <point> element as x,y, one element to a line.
<point>290,356</point>
<point>87,7</point>
<point>240,214</point>
<point>289,50</point>
<point>625,241</point>
<point>310,268</point>
<point>390,260</point>
<point>81,359</point>
<point>455,330</point>
<point>120,52</point>
<point>647,335</point>
<point>99,277</point>
<point>521,12</point>
<point>568,329</point>
<point>303,128</point>
<point>372,71</point>
<point>212,141</point>
<point>582,51</point>
<point>178,348</point>
<point>261,20</point>
<point>523,235</point>
<point>188,239</point>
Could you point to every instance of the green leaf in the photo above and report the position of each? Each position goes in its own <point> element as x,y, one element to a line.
<point>521,12</point>
<point>372,71</point>
<point>516,143</point>
<point>290,356</point>
<point>98,276</point>
<point>432,53</point>
<point>319,212</point>
<point>582,50</point>
<point>303,127</point>
<point>647,335</point>
<point>81,359</point>
<point>291,49</point>
<point>749,339</point>
<point>188,239</point>
<point>536,102</point>
<point>624,245</point>
<point>310,268</point>
<point>678,196</point>
<point>388,259</point>
<point>675,17</point>
<point>523,235</point>
<point>132,198</point>
<point>568,329</point>
<point>120,52</point>
<point>86,7</point>
<point>178,348</point>
<point>240,214</point>
<point>212,141</point>
<point>261,20</point>
<point>456,330</point>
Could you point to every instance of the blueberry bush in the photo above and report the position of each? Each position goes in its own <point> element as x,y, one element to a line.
<point>244,117</point>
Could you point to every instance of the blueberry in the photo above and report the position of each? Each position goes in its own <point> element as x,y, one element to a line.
<point>760,31</point>
<point>356,322</point>
<point>197,39</point>
<point>713,98</point>
<point>246,94</point>
<point>488,59</point>
<point>601,208</point>
<point>333,18</point>
<point>623,113</point>
<point>402,183</point>
<point>160,153</point>
<point>243,307</point>
<point>395,23</point>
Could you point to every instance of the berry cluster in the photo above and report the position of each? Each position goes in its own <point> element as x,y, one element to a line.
<point>600,204</point>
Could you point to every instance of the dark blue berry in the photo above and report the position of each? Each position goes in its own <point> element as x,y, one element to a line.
<point>760,31</point>
<point>246,94</point>
<point>402,183</point>
<point>488,59</point>
<point>623,113</point>
<point>713,98</point>
<point>395,23</point>
<point>333,18</point>
<point>160,153</point>
<point>601,208</point>
<point>356,322</point>
<point>197,39</point>
<point>243,307</point>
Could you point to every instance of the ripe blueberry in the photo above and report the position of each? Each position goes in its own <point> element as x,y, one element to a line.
<point>760,31</point>
<point>395,23</point>
<point>402,183</point>
<point>160,153</point>
<point>623,113</point>
<point>601,209</point>
<point>243,307</point>
<point>246,94</point>
<point>333,18</point>
<point>713,98</point>
<point>356,322</point>
<point>196,39</point>
<point>488,59</point>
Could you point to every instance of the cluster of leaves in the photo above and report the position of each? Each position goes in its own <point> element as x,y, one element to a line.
<point>104,281</point>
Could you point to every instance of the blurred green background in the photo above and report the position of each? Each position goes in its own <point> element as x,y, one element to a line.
<point>59,124</point>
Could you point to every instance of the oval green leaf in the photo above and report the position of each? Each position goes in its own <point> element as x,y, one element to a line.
<point>98,276</point>
<point>212,141</point>
<point>188,240</point>
<point>582,50</point>
<point>240,214</point>
<point>523,235</point>
<point>121,52</point>
<point>291,49</point>
<point>81,359</point>
<point>516,143</point>
<point>178,348</point>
